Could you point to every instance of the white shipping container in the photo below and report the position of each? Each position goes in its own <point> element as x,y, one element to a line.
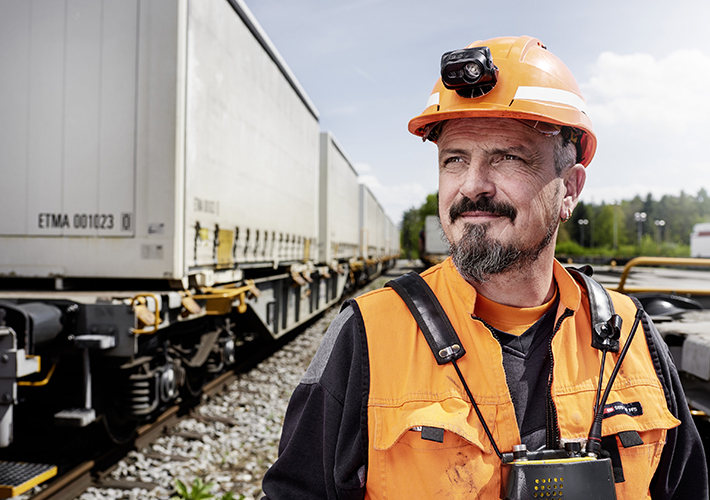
<point>339,205</point>
<point>149,140</point>
<point>392,247</point>
<point>372,224</point>
<point>381,232</point>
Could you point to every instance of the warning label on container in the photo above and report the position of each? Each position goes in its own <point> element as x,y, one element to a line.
<point>206,206</point>
<point>153,252</point>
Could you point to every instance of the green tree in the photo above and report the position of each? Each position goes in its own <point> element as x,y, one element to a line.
<point>603,229</point>
<point>430,206</point>
<point>703,201</point>
<point>581,213</point>
<point>607,225</point>
<point>409,236</point>
<point>413,224</point>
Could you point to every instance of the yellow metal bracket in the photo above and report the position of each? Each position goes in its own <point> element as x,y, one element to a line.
<point>188,302</point>
<point>297,278</point>
<point>660,261</point>
<point>39,383</point>
<point>220,299</point>
<point>307,250</point>
<point>150,319</point>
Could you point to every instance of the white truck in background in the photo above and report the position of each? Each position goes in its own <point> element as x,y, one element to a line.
<point>700,240</point>
<point>433,247</point>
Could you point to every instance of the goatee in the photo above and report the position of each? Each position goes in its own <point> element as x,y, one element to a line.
<point>478,257</point>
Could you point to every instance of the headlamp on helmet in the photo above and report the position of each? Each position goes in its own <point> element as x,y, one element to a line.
<point>470,72</point>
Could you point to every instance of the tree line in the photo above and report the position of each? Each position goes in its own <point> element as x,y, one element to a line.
<point>640,226</point>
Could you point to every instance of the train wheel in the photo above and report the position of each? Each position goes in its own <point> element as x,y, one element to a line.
<point>112,403</point>
<point>120,430</point>
<point>195,379</point>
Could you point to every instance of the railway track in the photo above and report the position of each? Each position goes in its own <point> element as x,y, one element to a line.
<point>95,471</point>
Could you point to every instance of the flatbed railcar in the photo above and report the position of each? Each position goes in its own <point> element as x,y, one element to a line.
<point>167,195</point>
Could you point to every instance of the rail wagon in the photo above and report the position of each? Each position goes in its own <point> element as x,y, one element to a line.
<point>167,195</point>
<point>339,204</point>
<point>372,234</point>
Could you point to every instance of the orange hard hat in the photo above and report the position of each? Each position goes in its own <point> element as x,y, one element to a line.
<point>530,83</point>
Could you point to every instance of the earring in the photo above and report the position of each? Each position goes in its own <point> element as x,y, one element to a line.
<point>566,217</point>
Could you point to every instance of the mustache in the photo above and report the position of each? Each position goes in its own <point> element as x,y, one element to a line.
<point>482,204</point>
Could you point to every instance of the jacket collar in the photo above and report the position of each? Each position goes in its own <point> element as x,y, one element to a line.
<point>570,293</point>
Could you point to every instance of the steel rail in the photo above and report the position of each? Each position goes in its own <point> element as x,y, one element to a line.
<point>73,483</point>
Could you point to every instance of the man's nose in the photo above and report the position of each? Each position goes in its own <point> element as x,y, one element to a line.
<point>477,181</point>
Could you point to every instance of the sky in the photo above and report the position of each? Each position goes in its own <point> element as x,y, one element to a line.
<point>369,67</point>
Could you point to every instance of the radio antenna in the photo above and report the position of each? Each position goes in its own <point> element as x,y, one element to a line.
<point>594,440</point>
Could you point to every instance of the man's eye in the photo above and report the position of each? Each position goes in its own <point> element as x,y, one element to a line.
<point>453,159</point>
<point>511,158</point>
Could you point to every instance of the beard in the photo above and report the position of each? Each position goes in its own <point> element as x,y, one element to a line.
<point>478,257</point>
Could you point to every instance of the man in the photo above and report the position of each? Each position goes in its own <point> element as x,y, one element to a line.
<point>375,416</point>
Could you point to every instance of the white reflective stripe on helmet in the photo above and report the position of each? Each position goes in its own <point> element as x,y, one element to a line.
<point>547,94</point>
<point>433,99</point>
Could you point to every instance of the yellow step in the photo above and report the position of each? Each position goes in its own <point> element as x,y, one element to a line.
<point>18,477</point>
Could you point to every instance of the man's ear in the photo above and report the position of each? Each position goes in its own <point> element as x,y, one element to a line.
<point>573,179</point>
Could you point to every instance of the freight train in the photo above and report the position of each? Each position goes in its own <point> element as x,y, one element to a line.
<point>166,194</point>
<point>433,246</point>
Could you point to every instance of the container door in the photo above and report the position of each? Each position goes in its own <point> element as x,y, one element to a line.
<point>67,137</point>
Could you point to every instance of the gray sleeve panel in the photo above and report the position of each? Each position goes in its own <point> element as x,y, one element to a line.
<point>323,449</point>
<point>320,360</point>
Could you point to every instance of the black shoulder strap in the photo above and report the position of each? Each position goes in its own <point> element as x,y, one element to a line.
<point>606,324</point>
<point>445,343</point>
<point>430,316</point>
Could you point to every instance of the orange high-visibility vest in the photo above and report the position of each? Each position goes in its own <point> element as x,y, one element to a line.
<point>408,390</point>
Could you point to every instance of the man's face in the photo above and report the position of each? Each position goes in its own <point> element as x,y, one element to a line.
<point>499,195</point>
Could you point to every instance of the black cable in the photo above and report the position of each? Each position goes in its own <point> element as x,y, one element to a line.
<point>599,386</point>
<point>478,412</point>
<point>595,432</point>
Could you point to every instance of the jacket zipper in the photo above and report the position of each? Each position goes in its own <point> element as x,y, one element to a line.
<point>553,428</point>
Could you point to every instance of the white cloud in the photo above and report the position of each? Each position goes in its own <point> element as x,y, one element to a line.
<point>362,168</point>
<point>616,193</point>
<point>668,93</point>
<point>395,199</point>
<point>650,114</point>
